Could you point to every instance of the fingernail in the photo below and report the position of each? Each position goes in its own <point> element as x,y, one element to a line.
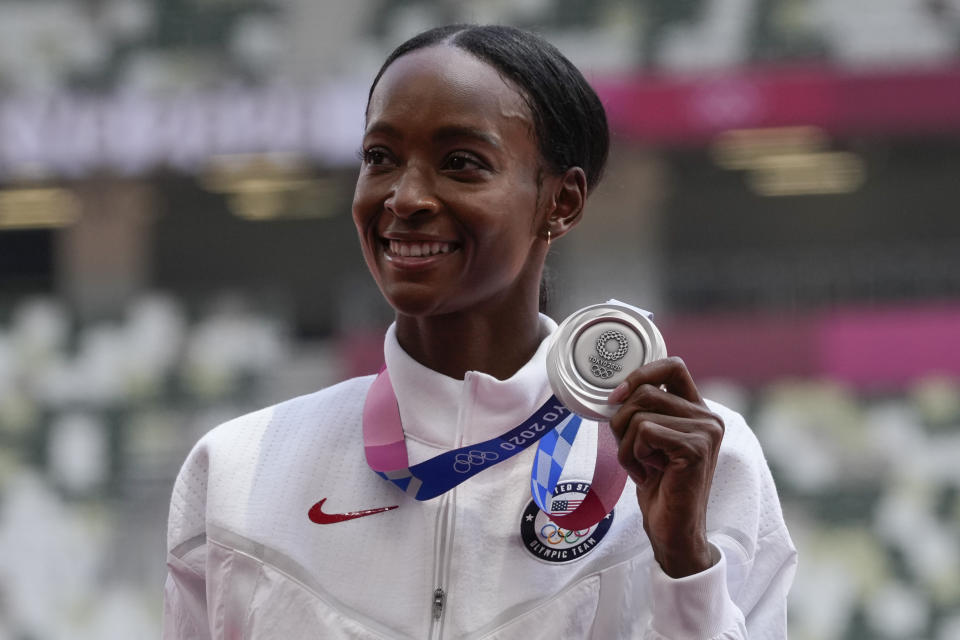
<point>618,394</point>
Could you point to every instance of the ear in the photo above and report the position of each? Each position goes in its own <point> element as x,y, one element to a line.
<point>569,198</point>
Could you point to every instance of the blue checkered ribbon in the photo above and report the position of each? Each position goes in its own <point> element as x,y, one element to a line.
<point>551,455</point>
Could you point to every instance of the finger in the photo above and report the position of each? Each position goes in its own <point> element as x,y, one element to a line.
<point>652,441</point>
<point>677,447</point>
<point>670,372</point>
<point>642,462</point>
<point>650,399</point>
<point>647,456</point>
<point>637,471</point>
<point>712,427</point>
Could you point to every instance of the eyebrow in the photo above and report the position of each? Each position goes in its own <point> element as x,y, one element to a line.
<point>443,134</point>
<point>455,131</point>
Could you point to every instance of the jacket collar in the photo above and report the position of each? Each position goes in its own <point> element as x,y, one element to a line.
<point>445,412</point>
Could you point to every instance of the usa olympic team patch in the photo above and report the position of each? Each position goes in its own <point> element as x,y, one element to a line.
<point>548,542</point>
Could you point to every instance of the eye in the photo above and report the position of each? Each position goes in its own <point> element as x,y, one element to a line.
<point>376,157</point>
<point>462,161</point>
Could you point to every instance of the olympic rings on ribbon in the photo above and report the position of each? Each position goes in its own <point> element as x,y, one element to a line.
<point>463,461</point>
<point>558,535</point>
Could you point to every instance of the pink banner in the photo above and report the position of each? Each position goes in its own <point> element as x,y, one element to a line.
<point>668,110</point>
<point>878,349</point>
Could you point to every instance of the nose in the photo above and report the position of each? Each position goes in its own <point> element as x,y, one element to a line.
<point>412,194</point>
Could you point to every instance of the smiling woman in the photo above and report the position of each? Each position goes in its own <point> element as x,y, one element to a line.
<point>480,148</point>
<point>450,158</point>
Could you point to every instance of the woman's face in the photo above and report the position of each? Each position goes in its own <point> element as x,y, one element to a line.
<point>447,204</point>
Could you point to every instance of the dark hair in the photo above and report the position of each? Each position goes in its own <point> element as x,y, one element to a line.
<point>568,118</point>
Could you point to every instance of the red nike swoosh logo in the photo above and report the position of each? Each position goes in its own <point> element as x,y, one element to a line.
<point>318,516</point>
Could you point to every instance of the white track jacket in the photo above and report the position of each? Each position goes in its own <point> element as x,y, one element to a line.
<point>246,561</point>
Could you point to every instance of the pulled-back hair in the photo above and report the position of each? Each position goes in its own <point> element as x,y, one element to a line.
<point>568,118</point>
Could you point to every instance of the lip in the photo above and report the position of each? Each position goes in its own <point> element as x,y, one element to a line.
<point>413,236</point>
<point>413,263</point>
<point>410,263</point>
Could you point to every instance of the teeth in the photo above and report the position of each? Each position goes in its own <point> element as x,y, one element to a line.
<point>418,249</point>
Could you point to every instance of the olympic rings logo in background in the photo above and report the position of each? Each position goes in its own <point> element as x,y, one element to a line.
<point>555,535</point>
<point>462,462</point>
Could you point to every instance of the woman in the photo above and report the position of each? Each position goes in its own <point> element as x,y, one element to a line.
<point>480,148</point>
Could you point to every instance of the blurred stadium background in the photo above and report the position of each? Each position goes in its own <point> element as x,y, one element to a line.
<point>176,249</point>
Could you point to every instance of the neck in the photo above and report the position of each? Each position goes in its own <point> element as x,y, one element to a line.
<point>497,344</point>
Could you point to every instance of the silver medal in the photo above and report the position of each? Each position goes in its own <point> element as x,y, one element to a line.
<point>595,349</point>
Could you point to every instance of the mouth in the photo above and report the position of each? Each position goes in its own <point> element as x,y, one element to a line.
<point>393,248</point>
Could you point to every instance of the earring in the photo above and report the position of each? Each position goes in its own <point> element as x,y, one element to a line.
<point>548,237</point>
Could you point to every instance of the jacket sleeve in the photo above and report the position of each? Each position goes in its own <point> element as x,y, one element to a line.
<point>744,594</point>
<point>185,596</point>
<point>185,600</point>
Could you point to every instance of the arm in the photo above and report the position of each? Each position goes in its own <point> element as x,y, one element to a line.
<point>669,441</point>
<point>185,597</point>
<point>744,595</point>
<point>703,586</point>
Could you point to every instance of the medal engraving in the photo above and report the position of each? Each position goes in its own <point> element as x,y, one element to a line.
<point>595,349</point>
<point>605,363</point>
<point>612,339</point>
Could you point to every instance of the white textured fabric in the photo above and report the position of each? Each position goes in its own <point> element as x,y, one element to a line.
<point>245,561</point>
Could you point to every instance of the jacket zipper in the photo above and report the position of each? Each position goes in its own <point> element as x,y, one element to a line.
<point>445,524</point>
<point>438,597</point>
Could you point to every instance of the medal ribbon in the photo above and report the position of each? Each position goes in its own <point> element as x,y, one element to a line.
<point>606,486</point>
<point>553,425</point>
